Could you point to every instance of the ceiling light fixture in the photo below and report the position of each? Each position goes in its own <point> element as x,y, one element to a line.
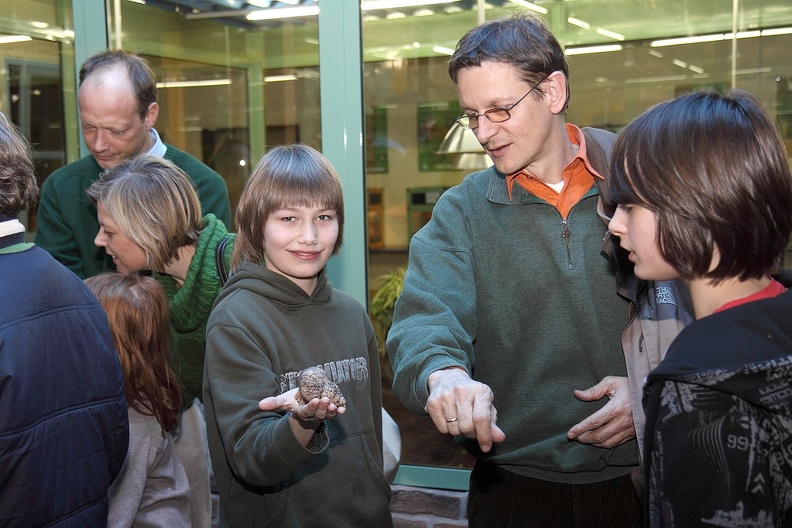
<point>777,31</point>
<point>747,34</point>
<point>611,34</point>
<point>593,49</point>
<point>283,12</point>
<point>530,5</point>
<point>280,78</point>
<point>464,146</point>
<point>443,50</point>
<point>193,84</point>
<point>658,79</point>
<point>15,38</point>
<point>371,5</point>
<point>687,40</point>
<point>228,4</point>
<point>579,23</point>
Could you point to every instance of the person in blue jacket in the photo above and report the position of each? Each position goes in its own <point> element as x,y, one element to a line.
<point>63,414</point>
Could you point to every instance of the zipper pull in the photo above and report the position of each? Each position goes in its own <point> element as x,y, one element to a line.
<point>565,233</point>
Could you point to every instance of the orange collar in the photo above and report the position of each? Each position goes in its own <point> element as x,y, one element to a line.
<point>578,177</point>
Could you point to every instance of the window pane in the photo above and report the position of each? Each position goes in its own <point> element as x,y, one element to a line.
<point>228,88</point>
<point>36,46</point>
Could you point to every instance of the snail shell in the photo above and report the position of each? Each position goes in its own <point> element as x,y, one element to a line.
<point>314,383</point>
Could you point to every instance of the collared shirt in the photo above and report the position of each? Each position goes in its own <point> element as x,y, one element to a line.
<point>159,148</point>
<point>578,177</point>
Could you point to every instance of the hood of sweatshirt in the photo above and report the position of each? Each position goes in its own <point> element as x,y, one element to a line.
<point>275,287</point>
<point>745,351</point>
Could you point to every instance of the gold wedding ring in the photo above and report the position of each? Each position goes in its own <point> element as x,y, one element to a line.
<point>451,421</point>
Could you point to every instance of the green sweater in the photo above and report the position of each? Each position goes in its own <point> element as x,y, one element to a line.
<point>191,304</point>
<point>493,287</point>
<point>66,219</point>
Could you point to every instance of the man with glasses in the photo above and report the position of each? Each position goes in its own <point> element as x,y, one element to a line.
<point>509,303</point>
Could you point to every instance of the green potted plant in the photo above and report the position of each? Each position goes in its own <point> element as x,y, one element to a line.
<point>381,311</point>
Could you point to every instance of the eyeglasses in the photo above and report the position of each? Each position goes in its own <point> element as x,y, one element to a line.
<point>495,115</point>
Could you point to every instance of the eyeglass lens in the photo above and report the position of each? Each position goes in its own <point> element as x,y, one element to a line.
<point>496,115</point>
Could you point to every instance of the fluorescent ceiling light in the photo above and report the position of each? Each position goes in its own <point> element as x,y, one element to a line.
<point>530,5</point>
<point>280,78</point>
<point>754,71</point>
<point>777,31</point>
<point>579,23</point>
<point>283,12</point>
<point>593,49</point>
<point>229,4</point>
<point>371,5</point>
<point>680,63</point>
<point>687,40</point>
<point>443,50</point>
<point>715,37</point>
<point>15,38</point>
<point>658,79</point>
<point>193,84</point>
<point>611,34</point>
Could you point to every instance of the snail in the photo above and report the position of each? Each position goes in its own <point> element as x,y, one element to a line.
<point>314,383</point>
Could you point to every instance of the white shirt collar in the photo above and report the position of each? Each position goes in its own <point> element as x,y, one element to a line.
<point>159,148</point>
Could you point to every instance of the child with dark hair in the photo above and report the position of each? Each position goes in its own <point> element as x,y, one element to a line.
<point>280,461</point>
<point>152,488</point>
<point>705,195</point>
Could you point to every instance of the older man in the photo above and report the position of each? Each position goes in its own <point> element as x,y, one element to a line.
<point>118,109</point>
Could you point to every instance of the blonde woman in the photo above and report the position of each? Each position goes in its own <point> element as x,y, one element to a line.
<point>150,219</point>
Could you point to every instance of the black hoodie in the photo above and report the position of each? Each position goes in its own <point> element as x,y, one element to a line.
<point>718,442</point>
